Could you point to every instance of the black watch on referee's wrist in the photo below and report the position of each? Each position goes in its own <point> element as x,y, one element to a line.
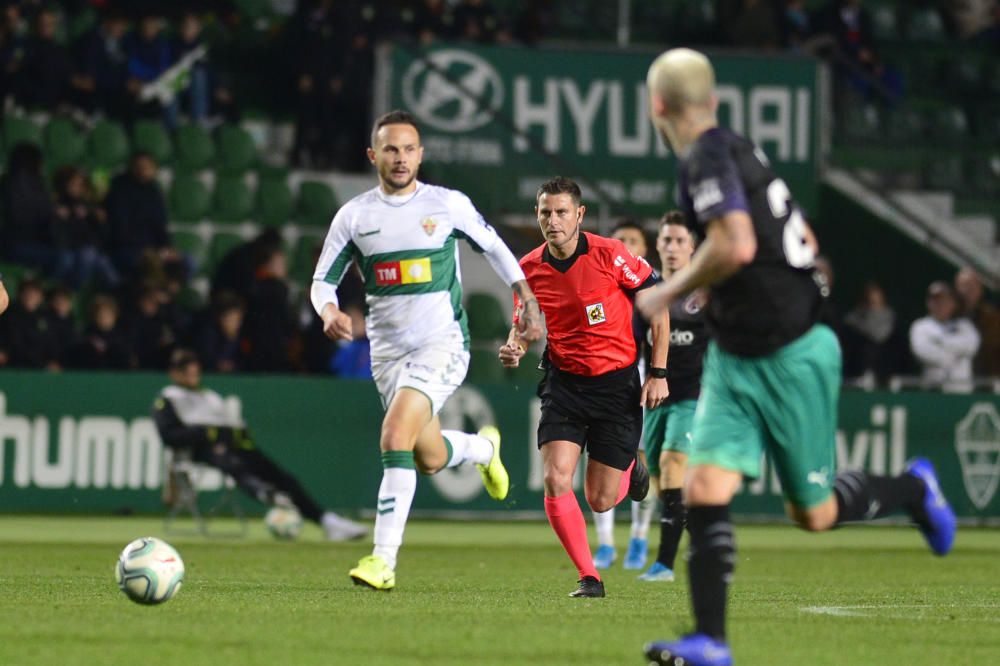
<point>658,373</point>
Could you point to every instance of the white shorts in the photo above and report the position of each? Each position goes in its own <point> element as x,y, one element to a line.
<point>436,372</point>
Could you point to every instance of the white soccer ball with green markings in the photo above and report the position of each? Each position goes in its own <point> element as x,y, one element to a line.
<point>149,571</point>
<point>283,522</point>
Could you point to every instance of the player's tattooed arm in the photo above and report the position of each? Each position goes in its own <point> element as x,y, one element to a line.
<point>529,323</point>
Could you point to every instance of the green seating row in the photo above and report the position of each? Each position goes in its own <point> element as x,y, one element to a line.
<point>232,201</point>
<point>229,150</point>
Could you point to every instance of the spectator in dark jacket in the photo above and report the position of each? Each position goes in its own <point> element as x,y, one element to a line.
<point>102,67</point>
<point>235,273</point>
<point>104,345</point>
<point>206,97</point>
<point>47,69</point>
<point>28,341</point>
<point>26,214</point>
<point>149,56</point>
<point>150,332</point>
<point>218,343</point>
<point>137,215</point>
<point>269,325</point>
<point>62,323</point>
<point>78,229</point>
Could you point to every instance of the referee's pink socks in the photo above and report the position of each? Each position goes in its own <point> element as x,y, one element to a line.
<point>566,519</point>
<point>624,484</point>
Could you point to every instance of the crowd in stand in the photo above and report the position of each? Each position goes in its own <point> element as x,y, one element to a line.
<point>109,69</point>
<point>957,341</point>
<point>115,291</point>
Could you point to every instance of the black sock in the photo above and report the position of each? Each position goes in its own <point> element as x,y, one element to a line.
<point>672,520</point>
<point>862,496</point>
<point>711,561</point>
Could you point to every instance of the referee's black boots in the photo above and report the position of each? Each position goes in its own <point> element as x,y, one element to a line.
<point>589,587</point>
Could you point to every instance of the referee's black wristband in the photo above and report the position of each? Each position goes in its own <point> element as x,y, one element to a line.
<point>658,373</point>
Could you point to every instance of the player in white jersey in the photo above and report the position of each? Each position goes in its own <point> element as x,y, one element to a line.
<point>403,235</point>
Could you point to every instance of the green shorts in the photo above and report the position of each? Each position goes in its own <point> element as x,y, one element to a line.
<point>784,405</point>
<point>667,428</point>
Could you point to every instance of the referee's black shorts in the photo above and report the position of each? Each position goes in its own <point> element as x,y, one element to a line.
<point>602,414</point>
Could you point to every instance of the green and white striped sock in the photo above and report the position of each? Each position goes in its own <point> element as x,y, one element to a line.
<point>395,495</point>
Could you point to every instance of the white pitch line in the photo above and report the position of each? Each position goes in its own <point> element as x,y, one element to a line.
<point>872,610</point>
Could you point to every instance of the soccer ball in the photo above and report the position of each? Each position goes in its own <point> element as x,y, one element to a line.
<point>149,571</point>
<point>284,522</point>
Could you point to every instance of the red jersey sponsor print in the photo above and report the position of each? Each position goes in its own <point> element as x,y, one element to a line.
<point>587,308</point>
<point>407,271</point>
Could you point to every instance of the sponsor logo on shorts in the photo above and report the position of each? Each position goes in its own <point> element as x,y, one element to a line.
<point>820,477</point>
<point>977,442</point>
<point>595,314</point>
<point>407,271</point>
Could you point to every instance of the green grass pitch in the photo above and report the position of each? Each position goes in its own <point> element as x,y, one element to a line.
<point>487,593</point>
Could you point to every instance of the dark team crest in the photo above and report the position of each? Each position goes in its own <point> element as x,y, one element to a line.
<point>429,225</point>
<point>692,304</point>
<point>977,442</point>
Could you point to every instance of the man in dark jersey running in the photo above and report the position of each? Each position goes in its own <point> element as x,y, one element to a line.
<point>772,374</point>
<point>591,395</point>
<point>667,429</point>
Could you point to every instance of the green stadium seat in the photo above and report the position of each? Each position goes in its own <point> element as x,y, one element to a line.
<point>195,149</point>
<point>988,125</point>
<point>943,173</point>
<point>902,126</point>
<point>304,257</point>
<point>20,130</point>
<point>859,124</point>
<point>188,199</point>
<point>222,243</point>
<point>231,201</point>
<point>107,145</point>
<point>983,175</point>
<point>484,367</point>
<point>925,26</point>
<point>317,204</point>
<point>275,202</point>
<point>487,321</point>
<point>64,143</point>
<point>885,25</point>
<point>237,152</point>
<point>947,124</point>
<point>12,276</point>
<point>254,10</point>
<point>151,136</point>
<point>191,244</point>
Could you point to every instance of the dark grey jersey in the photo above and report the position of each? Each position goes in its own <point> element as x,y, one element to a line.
<point>776,298</point>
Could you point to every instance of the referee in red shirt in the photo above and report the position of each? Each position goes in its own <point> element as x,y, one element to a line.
<point>591,396</point>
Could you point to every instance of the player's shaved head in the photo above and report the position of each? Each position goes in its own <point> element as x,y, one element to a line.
<point>681,78</point>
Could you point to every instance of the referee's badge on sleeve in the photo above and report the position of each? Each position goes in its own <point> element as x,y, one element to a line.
<point>595,314</point>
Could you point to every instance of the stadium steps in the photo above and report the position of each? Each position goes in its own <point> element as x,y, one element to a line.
<point>930,219</point>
